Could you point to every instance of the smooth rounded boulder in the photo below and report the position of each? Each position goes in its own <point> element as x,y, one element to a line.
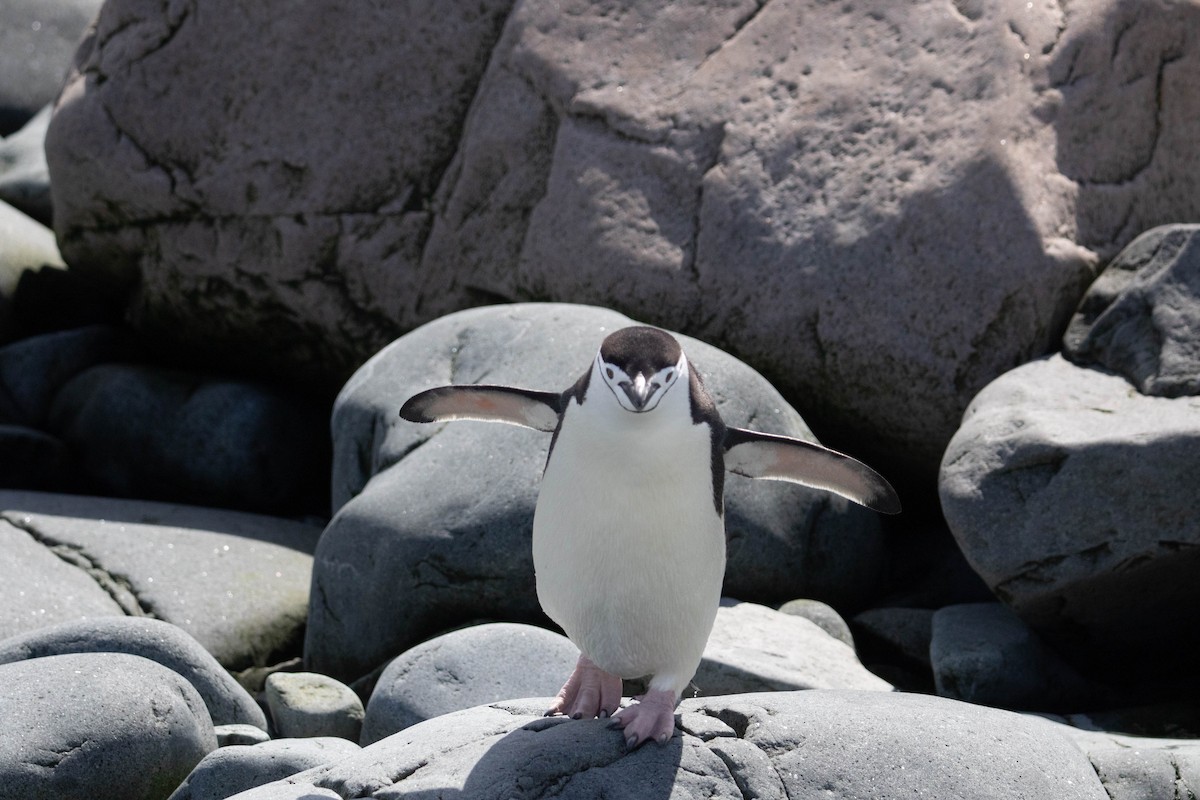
<point>98,725</point>
<point>441,516</point>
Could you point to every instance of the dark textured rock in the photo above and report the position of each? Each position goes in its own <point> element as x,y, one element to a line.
<point>141,431</point>
<point>227,702</point>
<point>983,653</point>
<point>237,582</point>
<point>98,725</point>
<point>441,515</point>
<point>1073,496</point>
<point>465,668</point>
<point>901,633</point>
<point>1141,318</point>
<point>772,745</point>
<point>225,772</point>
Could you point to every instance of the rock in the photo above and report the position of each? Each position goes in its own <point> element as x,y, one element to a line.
<point>769,745</point>
<point>753,648</point>
<point>212,441</point>
<point>983,653</point>
<point>24,176</point>
<point>225,772</point>
<point>37,40</point>
<point>465,668</point>
<point>240,734</point>
<point>161,642</point>
<point>930,187</point>
<point>25,245</point>
<point>30,459</point>
<point>441,515</point>
<point>901,633</point>
<point>822,615</point>
<point>1073,497</point>
<point>305,704</point>
<point>32,370</point>
<point>1141,318</point>
<point>1141,773</point>
<point>238,583</point>
<point>98,725</point>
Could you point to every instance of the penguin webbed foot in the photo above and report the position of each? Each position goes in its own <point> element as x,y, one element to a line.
<point>652,717</point>
<point>589,692</point>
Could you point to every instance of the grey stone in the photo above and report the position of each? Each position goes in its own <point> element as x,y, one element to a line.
<point>237,582</point>
<point>31,459</point>
<point>238,733</point>
<point>98,725</point>
<point>1141,318</point>
<point>822,615</point>
<point>37,40</point>
<point>24,176</point>
<point>141,431</point>
<point>780,744</point>
<point>983,653</point>
<point>930,187</point>
<point>753,648</point>
<point>465,668</point>
<point>153,639</point>
<point>1073,496</point>
<point>33,369</point>
<point>225,772</point>
<point>1147,774</point>
<point>903,632</point>
<point>305,704</point>
<point>442,514</point>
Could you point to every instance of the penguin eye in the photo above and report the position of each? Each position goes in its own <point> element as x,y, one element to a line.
<point>670,375</point>
<point>608,371</point>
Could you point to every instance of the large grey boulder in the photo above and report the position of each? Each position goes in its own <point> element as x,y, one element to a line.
<point>771,745</point>
<point>883,210</point>
<point>238,583</point>
<point>98,725</point>
<point>1141,318</point>
<point>1074,497</point>
<point>227,702</point>
<point>229,770</point>
<point>441,516</point>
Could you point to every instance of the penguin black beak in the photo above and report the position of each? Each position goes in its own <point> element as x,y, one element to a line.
<point>639,391</point>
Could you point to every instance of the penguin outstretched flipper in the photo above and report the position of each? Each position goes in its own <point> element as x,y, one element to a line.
<point>782,458</point>
<point>529,409</point>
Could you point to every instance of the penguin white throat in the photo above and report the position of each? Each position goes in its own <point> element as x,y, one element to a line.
<point>636,388</point>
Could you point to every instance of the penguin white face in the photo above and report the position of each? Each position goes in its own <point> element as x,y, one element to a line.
<point>640,365</point>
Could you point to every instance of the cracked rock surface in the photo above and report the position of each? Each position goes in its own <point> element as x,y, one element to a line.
<point>238,583</point>
<point>773,745</point>
<point>882,207</point>
<point>441,515</point>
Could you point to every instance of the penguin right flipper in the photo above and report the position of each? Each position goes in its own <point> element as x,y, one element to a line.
<point>782,458</point>
<point>529,409</point>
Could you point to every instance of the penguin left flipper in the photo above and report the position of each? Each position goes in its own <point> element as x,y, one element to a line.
<point>524,407</point>
<point>782,458</point>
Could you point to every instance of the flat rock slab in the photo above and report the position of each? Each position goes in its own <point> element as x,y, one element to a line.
<point>1074,497</point>
<point>441,516</point>
<point>98,725</point>
<point>227,702</point>
<point>768,745</point>
<point>238,583</point>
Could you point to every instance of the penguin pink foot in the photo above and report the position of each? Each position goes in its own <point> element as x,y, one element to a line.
<point>589,692</point>
<point>652,717</point>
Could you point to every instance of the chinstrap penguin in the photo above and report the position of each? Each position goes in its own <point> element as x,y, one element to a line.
<point>629,529</point>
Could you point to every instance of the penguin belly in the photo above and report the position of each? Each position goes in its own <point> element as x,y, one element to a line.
<point>628,546</point>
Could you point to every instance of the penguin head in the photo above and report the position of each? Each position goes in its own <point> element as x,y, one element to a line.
<point>640,365</point>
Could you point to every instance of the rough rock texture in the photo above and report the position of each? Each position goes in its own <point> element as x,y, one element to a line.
<point>441,515</point>
<point>772,745</point>
<point>98,725</point>
<point>225,772</point>
<point>877,205</point>
<point>161,642</point>
<point>238,583</point>
<point>983,653</point>
<point>1141,318</point>
<point>903,634</point>
<point>1074,497</point>
<point>305,704</point>
<point>465,668</point>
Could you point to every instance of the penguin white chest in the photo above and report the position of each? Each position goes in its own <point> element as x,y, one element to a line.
<point>628,541</point>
